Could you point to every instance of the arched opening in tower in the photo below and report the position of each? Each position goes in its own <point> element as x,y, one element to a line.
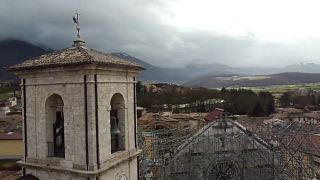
<point>117,123</point>
<point>55,126</point>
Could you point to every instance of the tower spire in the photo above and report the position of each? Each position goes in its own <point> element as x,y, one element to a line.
<point>78,42</point>
<point>77,23</point>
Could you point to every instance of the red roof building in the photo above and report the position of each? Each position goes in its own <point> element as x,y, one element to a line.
<point>214,115</point>
<point>11,136</point>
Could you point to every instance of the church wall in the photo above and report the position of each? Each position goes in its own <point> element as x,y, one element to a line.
<point>91,122</point>
<point>69,85</point>
<point>214,144</point>
<point>107,87</point>
<point>70,88</point>
<point>129,169</point>
<point>54,175</point>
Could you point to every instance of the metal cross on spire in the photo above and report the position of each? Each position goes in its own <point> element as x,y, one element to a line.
<point>77,23</point>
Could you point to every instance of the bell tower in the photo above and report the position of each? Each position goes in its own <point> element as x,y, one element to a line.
<point>79,114</point>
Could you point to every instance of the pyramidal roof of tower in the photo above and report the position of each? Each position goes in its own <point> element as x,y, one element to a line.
<point>76,55</point>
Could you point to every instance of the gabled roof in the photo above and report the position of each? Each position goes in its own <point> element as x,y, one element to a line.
<point>75,56</point>
<point>210,126</point>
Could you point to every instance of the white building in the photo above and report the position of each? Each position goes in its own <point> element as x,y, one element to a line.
<point>4,110</point>
<point>13,101</point>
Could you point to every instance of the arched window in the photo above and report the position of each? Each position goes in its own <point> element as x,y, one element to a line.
<point>117,123</point>
<point>55,126</point>
<point>223,170</point>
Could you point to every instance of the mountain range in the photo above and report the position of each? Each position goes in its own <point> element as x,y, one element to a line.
<point>14,51</point>
<point>234,80</point>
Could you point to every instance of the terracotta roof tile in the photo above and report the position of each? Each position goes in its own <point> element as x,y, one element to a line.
<point>181,116</point>
<point>74,56</point>
<point>314,115</point>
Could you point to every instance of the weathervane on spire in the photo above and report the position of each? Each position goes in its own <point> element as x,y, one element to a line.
<point>76,22</point>
<point>78,42</point>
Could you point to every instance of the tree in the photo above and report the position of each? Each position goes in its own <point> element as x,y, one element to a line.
<point>258,110</point>
<point>266,101</point>
<point>285,99</point>
<point>270,107</point>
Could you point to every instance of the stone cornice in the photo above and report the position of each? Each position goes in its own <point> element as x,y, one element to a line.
<point>107,165</point>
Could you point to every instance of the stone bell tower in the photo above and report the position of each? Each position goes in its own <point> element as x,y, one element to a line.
<point>79,115</point>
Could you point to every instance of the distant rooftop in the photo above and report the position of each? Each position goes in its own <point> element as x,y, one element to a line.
<point>214,115</point>
<point>11,136</point>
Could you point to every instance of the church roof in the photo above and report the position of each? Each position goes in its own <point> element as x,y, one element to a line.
<point>75,55</point>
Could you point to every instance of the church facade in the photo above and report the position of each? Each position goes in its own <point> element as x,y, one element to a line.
<point>223,149</point>
<point>79,110</point>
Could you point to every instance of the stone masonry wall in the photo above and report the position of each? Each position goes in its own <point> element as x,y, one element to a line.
<point>69,85</point>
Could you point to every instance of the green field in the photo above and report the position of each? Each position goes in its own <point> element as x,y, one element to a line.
<point>279,89</point>
<point>6,92</point>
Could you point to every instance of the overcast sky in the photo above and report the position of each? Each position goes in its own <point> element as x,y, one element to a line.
<point>175,32</point>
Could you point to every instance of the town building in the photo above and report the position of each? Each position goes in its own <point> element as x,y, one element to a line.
<point>7,105</point>
<point>11,145</point>
<point>214,115</point>
<point>4,110</point>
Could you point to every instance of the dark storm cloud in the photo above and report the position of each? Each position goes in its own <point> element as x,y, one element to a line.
<point>139,28</point>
